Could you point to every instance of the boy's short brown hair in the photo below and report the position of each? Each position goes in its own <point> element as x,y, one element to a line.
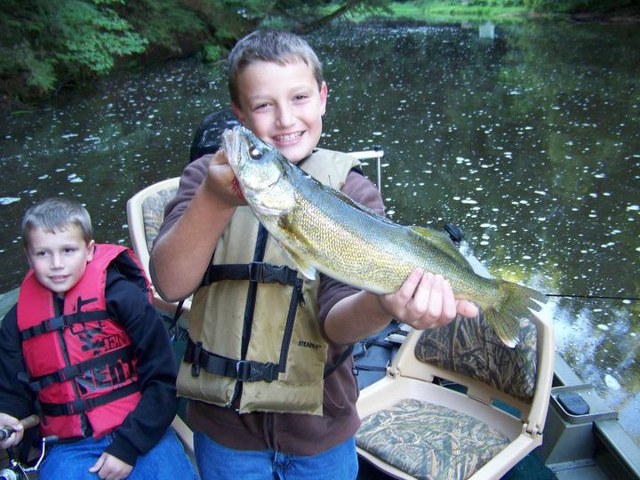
<point>270,46</point>
<point>56,214</point>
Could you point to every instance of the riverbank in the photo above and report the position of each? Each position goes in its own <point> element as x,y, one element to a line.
<point>627,15</point>
<point>445,11</point>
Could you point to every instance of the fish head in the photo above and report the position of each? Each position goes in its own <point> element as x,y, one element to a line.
<point>261,171</point>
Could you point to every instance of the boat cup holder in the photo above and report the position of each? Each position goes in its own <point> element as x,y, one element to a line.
<point>568,434</point>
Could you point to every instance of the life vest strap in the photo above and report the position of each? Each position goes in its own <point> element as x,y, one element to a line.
<point>242,370</point>
<point>124,355</point>
<point>260,272</point>
<point>79,406</point>
<point>61,322</point>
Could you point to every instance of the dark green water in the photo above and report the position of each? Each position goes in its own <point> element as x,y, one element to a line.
<point>528,140</point>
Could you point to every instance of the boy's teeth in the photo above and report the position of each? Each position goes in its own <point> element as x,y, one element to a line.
<point>288,138</point>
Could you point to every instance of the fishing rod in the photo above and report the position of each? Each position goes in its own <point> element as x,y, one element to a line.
<point>592,297</point>
<point>28,422</point>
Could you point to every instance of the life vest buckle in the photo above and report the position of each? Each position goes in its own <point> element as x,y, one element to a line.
<point>248,371</point>
<point>56,323</point>
<point>262,272</point>
<point>195,359</point>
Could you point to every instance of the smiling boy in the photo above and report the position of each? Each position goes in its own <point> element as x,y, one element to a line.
<point>263,404</point>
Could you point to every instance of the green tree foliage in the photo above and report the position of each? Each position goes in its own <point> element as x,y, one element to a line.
<point>42,42</point>
<point>48,44</point>
<point>90,35</point>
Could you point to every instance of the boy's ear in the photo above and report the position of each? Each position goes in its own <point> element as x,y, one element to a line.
<point>26,254</point>
<point>237,111</point>
<point>91,248</point>
<point>324,93</point>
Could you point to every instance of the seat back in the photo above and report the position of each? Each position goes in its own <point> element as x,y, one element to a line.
<point>468,353</point>
<point>145,213</point>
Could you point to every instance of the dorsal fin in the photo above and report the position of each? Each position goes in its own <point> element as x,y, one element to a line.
<point>442,241</point>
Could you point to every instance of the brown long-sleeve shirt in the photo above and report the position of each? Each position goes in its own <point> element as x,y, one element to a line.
<point>290,433</point>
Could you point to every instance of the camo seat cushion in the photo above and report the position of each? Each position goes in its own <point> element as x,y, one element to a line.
<point>153,213</point>
<point>429,441</point>
<point>471,347</point>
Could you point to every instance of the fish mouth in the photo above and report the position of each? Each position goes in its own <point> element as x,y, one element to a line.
<point>232,143</point>
<point>238,144</point>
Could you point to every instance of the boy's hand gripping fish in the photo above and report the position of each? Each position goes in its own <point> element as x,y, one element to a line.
<point>322,229</point>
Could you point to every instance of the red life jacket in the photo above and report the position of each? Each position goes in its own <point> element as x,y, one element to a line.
<point>80,362</point>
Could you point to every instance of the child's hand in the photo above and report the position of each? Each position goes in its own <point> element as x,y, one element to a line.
<point>14,431</point>
<point>426,301</point>
<point>221,181</point>
<point>109,467</point>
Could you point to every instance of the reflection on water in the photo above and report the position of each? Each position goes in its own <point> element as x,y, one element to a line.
<point>527,138</point>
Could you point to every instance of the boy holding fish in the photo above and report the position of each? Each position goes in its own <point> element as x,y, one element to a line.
<point>267,369</point>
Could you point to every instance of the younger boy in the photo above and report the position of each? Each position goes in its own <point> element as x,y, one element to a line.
<point>91,354</point>
<point>267,368</point>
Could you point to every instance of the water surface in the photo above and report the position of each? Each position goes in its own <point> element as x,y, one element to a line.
<point>528,140</point>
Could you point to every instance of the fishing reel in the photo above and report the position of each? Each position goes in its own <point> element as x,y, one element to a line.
<point>19,471</point>
<point>14,472</point>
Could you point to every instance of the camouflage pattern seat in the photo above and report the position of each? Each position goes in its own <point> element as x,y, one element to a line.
<point>145,213</point>
<point>455,399</point>
<point>153,212</point>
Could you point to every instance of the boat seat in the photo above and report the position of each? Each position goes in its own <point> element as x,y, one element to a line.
<point>457,403</point>
<point>145,213</point>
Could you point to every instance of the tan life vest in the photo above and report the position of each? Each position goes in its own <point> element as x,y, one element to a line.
<point>245,351</point>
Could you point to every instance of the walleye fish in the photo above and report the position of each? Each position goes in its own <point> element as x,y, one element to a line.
<point>324,230</point>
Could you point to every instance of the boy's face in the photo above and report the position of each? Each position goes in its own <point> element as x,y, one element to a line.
<point>59,259</point>
<point>282,105</point>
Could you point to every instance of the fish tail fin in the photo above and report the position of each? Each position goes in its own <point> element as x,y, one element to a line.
<point>517,302</point>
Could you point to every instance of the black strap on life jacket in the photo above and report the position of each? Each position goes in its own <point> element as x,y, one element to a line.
<point>242,370</point>
<point>112,360</point>
<point>61,322</point>
<point>346,353</point>
<point>83,405</point>
<point>255,272</point>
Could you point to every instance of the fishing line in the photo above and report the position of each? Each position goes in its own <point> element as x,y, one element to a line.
<point>592,297</point>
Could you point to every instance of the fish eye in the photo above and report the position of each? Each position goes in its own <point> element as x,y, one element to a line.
<point>255,153</point>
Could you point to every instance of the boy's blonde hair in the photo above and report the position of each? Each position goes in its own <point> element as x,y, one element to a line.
<point>56,214</point>
<point>269,46</point>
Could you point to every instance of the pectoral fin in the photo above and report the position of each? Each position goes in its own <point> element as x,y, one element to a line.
<point>303,266</point>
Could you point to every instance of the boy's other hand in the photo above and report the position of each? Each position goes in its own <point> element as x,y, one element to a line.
<point>109,467</point>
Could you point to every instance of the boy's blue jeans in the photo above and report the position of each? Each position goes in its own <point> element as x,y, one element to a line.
<point>167,460</point>
<point>216,462</point>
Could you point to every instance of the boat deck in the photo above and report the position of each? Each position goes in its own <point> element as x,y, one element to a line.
<point>613,450</point>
